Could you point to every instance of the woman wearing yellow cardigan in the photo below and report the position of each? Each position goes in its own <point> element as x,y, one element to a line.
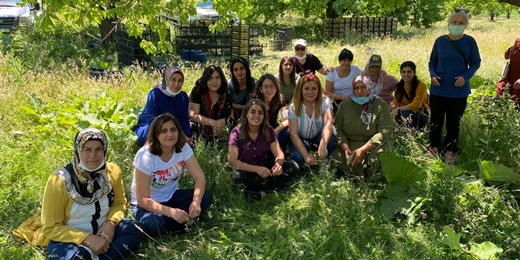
<point>410,105</point>
<point>83,207</point>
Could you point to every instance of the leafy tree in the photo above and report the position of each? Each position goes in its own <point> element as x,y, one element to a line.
<point>135,15</point>
<point>511,2</point>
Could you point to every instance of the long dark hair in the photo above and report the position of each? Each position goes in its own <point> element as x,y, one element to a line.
<point>155,129</point>
<point>280,68</point>
<point>249,80</point>
<point>277,99</point>
<point>243,124</point>
<point>399,92</point>
<point>202,82</point>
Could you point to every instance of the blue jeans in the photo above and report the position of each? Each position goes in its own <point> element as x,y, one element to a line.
<point>283,138</point>
<point>311,144</point>
<point>156,223</point>
<point>418,121</point>
<point>126,237</point>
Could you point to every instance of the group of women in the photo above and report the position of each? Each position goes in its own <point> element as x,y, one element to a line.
<point>350,118</point>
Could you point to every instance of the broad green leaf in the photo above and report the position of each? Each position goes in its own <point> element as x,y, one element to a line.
<point>470,167</point>
<point>400,171</point>
<point>451,239</point>
<point>486,250</point>
<point>498,174</point>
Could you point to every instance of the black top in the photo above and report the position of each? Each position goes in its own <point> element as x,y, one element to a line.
<point>219,111</point>
<point>312,64</point>
<point>273,115</point>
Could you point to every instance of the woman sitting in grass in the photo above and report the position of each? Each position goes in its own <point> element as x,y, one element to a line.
<point>241,84</point>
<point>364,127</point>
<point>158,202</point>
<point>410,98</point>
<point>338,85</point>
<point>249,143</point>
<point>211,105</point>
<point>83,207</point>
<point>287,78</point>
<point>310,122</point>
<point>268,91</point>
<point>167,97</point>
<point>383,84</point>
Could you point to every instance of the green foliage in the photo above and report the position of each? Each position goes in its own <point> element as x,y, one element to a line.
<point>451,239</point>
<point>486,250</point>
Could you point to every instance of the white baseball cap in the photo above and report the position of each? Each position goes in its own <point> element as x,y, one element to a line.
<point>301,42</point>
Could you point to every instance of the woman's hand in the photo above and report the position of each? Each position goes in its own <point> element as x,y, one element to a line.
<point>435,81</point>
<point>195,208</point>
<point>310,160</point>
<point>343,97</point>
<point>517,84</point>
<point>459,81</point>
<point>97,244</point>
<point>107,231</point>
<point>218,126</point>
<point>277,169</point>
<point>263,172</point>
<point>394,113</point>
<point>178,215</point>
<point>323,153</point>
<point>359,154</point>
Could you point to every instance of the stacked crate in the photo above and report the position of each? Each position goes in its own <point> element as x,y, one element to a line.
<point>129,50</point>
<point>240,41</point>
<point>255,48</point>
<point>198,36</point>
<point>282,39</point>
<point>339,28</point>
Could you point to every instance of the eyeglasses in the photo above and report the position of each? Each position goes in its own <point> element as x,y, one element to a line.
<point>299,48</point>
<point>268,86</point>
<point>458,10</point>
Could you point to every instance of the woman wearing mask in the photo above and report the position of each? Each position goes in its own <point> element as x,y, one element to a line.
<point>454,60</point>
<point>167,97</point>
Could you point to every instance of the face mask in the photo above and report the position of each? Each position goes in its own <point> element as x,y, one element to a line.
<point>84,167</point>
<point>171,92</point>
<point>360,100</point>
<point>301,57</point>
<point>456,30</point>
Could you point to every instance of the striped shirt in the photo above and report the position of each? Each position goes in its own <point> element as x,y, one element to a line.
<point>310,127</point>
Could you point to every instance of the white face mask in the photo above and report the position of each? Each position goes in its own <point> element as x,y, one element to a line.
<point>173,93</point>
<point>84,167</point>
<point>301,57</point>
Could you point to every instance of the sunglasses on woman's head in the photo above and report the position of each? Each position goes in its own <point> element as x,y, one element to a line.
<point>458,10</point>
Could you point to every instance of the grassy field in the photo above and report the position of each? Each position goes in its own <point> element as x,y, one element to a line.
<point>451,212</point>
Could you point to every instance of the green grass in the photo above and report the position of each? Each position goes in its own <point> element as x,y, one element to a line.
<point>320,216</point>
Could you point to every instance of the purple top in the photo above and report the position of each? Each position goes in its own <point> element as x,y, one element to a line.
<point>249,151</point>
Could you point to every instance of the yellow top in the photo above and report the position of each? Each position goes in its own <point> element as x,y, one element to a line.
<point>40,228</point>
<point>421,99</point>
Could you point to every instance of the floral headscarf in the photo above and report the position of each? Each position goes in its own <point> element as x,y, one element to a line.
<point>167,74</point>
<point>366,111</point>
<point>86,186</point>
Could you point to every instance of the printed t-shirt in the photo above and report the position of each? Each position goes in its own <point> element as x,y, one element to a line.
<point>164,176</point>
<point>312,64</point>
<point>310,127</point>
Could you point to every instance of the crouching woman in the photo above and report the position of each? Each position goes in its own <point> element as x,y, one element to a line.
<point>249,143</point>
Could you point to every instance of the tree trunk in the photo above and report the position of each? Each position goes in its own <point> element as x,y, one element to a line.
<point>508,13</point>
<point>512,2</point>
<point>331,13</point>
<point>105,27</point>
<point>491,16</point>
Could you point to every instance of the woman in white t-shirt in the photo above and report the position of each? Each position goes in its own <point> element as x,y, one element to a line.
<point>310,122</point>
<point>158,202</point>
<point>338,84</point>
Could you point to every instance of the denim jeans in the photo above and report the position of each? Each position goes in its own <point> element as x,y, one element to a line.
<point>311,144</point>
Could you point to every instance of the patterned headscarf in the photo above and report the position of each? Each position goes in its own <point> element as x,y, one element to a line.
<point>86,186</point>
<point>366,111</point>
<point>167,74</point>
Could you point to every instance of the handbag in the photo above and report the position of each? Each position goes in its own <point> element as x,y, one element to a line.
<point>505,69</point>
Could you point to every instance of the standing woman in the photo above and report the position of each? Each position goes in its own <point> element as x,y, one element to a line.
<point>410,98</point>
<point>83,207</point>
<point>241,84</point>
<point>513,76</point>
<point>167,97</point>
<point>268,91</point>
<point>454,60</point>
<point>287,78</point>
<point>210,104</point>
<point>338,84</point>
<point>364,130</point>
<point>310,122</point>
<point>249,143</point>
<point>158,202</point>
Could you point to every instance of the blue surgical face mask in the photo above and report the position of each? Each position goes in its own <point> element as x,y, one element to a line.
<point>456,30</point>
<point>360,100</point>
